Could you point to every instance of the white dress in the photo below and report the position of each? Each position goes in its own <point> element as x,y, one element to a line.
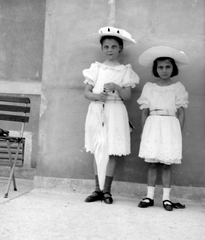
<point>161,139</point>
<point>114,111</point>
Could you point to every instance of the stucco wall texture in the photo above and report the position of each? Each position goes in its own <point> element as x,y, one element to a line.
<point>21,39</point>
<point>21,56</point>
<point>176,23</point>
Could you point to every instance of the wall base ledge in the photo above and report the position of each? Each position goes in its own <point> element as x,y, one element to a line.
<point>20,172</point>
<point>127,189</point>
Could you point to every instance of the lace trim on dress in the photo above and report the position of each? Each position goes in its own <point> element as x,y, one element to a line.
<point>118,68</point>
<point>169,162</point>
<point>155,87</point>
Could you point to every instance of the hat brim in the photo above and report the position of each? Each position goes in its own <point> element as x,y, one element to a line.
<point>95,38</point>
<point>147,58</point>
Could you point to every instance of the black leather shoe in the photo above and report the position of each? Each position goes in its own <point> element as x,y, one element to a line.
<point>107,198</point>
<point>178,205</point>
<point>95,196</point>
<point>144,204</point>
<point>168,206</point>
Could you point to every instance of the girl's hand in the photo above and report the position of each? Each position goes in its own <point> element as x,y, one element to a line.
<point>102,96</point>
<point>124,92</point>
<point>110,87</point>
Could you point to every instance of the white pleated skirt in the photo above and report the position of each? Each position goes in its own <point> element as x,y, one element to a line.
<point>161,140</point>
<point>115,118</point>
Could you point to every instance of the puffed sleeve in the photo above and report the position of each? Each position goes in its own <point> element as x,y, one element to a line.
<point>143,100</point>
<point>181,96</point>
<point>130,78</point>
<point>91,74</point>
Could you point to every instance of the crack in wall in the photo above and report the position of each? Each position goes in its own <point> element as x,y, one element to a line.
<point>111,19</point>
<point>44,103</point>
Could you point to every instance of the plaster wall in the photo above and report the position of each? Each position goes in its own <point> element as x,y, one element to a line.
<point>177,23</point>
<point>21,56</point>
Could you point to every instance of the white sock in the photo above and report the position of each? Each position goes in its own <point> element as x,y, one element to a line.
<point>150,192</point>
<point>166,194</point>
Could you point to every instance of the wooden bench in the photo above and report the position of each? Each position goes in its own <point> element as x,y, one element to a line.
<point>4,156</point>
<point>16,110</point>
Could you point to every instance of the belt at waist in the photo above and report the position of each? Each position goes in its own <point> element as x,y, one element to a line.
<point>112,100</point>
<point>162,112</point>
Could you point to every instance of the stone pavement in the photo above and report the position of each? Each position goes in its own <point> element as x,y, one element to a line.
<point>37,214</point>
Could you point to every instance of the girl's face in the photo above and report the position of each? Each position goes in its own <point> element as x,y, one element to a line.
<point>164,69</point>
<point>111,49</point>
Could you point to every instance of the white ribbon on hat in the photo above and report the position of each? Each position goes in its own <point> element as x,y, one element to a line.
<point>112,30</point>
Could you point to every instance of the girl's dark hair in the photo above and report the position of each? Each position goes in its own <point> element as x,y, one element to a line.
<point>175,68</point>
<point>119,40</point>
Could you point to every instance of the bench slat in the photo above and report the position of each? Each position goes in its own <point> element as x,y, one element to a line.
<point>11,108</point>
<point>14,99</point>
<point>15,118</point>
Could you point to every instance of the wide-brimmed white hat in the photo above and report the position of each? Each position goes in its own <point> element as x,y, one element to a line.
<point>147,58</point>
<point>111,31</point>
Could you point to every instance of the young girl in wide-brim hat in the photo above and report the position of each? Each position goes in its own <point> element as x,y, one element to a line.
<point>163,104</point>
<point>108,85</point>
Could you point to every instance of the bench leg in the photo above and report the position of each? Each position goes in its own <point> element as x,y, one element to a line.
<point>10,159</point>
<point>12,169</point>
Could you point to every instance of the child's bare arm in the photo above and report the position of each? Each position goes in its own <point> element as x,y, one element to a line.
<point>88,93</point>
<point>144,115</point>
<point>125,93</point>
<point>181,116</point>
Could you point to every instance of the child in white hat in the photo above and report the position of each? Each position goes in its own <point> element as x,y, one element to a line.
<point>163,106</point>
<point>107,132</point>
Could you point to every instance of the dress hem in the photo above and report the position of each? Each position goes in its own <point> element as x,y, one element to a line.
<point>168,162</point>
<point>111,154</point>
